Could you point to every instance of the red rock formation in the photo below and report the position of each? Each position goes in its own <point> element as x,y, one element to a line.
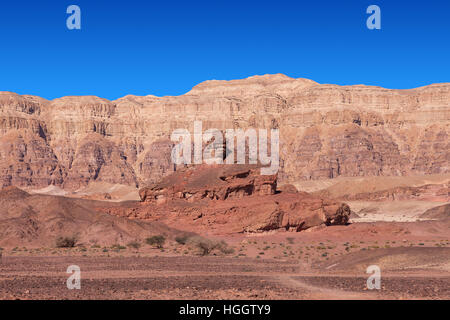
<point>230,199</point>
<point>210,182</point>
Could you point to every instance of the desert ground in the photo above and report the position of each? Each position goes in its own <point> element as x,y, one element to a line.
<point>267,267</point>
<point>323,262</point>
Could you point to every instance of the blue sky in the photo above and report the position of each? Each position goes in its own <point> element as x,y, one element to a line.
<point>167,47</point>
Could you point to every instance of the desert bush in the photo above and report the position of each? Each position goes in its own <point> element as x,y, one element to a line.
<point>157,241</point>
<point>207,246</point>
<point>118,247</point>
<point>182,239</point>
<point>66,242</point>
<point>134,244</point>
<point>226,249</point>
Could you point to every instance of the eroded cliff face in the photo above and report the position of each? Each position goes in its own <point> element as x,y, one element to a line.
<point>325,131</point>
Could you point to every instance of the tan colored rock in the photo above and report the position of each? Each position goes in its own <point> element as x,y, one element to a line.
<point>437,213</point>
<point>427,192</point>
<point>27,159</point>
<point>99,159</point>
<point>325,130</point>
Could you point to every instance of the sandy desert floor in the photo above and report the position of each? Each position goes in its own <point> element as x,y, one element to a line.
<point>314,265</point>
<point>412,253</point>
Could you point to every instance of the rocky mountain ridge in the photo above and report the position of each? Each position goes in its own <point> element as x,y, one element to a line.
<point>326,131</point>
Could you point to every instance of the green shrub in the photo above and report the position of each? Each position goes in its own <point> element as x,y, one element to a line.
<point>207,246</point>
<point>118,247</point>
<point>225,249</point>
<point>134,244</point>
<point>66,242</point>
<point>182,239</point>
<point>157,241</point>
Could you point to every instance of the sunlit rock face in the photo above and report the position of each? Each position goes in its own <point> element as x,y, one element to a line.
<point>326,131</point>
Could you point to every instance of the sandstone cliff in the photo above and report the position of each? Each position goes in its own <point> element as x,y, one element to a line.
<point>326,131</point>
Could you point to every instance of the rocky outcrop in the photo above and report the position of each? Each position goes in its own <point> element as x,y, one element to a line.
<point>326,131</point>
<point>232,199</point>
<point>210,182</point>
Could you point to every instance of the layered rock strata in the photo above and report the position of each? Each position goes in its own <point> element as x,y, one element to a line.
<point>326,131</point>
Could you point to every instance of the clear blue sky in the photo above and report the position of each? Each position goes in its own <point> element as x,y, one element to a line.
<point>166,47</point>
